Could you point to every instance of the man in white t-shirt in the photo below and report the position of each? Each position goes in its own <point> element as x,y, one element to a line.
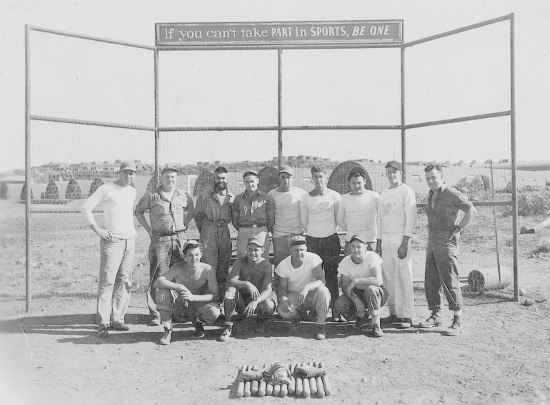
<point>396,220</point>
<point>358,210</point>
<point>117,245</point>
<point>361,281</point>
<point>301,286</point>
<point>287,199</point>
<point>318,215</point>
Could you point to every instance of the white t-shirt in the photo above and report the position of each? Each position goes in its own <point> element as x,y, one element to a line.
<point>361,270</point>
<point>287,211</point>
<point>358,214</point>
<point>319,214</point>
<point>118,205</point>
<point>397,211</point>
<point>298,278</point>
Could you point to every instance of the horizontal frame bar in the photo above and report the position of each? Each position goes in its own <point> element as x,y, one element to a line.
<point>91,38</point>
<point>460,119</point>
<point>459,30</point>
<point>272,47</point>
<point>284,128</point>
<point>93,123</point>
<point>480,204</point>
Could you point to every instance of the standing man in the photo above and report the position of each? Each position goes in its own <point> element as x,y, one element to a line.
<point>358,210</point>
<point>301,286</point>
<point>117,245</point>
<point>249,289</point>
<point>287,201</point>
<point>319,210</point>
<point>396,220</point>
<point>170,211</point>
<point>361,280</point>
<point>188,289</point>
<point>444,227</point>
<point>213,216</point>
<point>253,214</point>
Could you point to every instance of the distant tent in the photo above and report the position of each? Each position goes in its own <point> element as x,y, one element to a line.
<point>73,190</point>
<point>338,180</point>
<point>269,179</point>
<point>204,182</point>
<point>52,192</point>
<point>95,185</point>
<point>24,193</point>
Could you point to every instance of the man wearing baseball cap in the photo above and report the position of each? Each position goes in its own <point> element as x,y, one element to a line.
<point>249,290</point>
<point>253,214</point>
<point>117,245</point>
<point>189,290</point>
<point>396,220</point>
<point>213,216</point>
<point>287,200</point>
<point>301,287</point>
<point>170,211</point>
<point>361,281</point>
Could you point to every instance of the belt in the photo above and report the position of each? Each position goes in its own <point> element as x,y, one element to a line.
<point>172,233</point>
<point>252,225</point>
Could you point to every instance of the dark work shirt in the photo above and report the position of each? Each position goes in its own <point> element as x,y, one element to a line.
<point>446,205</point>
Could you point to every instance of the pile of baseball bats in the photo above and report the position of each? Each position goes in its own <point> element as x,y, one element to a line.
<point>300,387</point>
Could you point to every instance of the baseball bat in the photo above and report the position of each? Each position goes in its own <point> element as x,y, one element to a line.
<point>284,390</point>
<point>269,389</point>
<point>247,383</point>
<point>276,390</point>
<point>312,383</point>
<point>254,385</point>
<point>261,385</point>
<point>240,385</point>
<point>299,387</point>
<point>305,386</point>
<point>326,382</point>
<point>292,385</point>
<point>320,386</point>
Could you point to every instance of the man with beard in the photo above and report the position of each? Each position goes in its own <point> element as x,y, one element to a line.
<point>249,289</point>
<point>361,282</point>
<point>170,211</point>
<point>213,216</point>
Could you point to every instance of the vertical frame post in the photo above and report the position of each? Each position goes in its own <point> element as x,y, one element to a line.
<point>28,177</point>
<point>279,108</point>
<point>157,134</point>
<point>514,166</point>
<point>403,130</point>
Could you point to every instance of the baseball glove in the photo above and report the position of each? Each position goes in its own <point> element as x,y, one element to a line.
<point>278,373</point>
<point>309,371</point>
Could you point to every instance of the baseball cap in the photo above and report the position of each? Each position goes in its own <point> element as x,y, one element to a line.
<point>395,164</point>
<point>255,241</point>
<point>168,168</point>
<point>254,172</point>
<point>128,165</point>
<point>287,170</point>
<point>360,237</point>
<point>221,169</point>
<point>297,240</point>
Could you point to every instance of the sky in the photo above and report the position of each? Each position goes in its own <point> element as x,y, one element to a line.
<point>462,75</point>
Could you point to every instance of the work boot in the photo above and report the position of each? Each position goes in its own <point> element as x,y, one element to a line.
<point>120,326</point>
<point>362,322</point>
<point>455,328</point>
<point>404,323</point>
<point>224,337</point>
<point>389,319</point>
<point>433,321</point>
<point>321,332</point>
<point>167,337</point>
<point>377,331</point>
<point>199,330</point>
<point>102,331</point>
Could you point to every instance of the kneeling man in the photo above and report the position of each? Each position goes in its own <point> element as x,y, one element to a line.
<point>249,288</point>
<point>361,282</point>
<point>301,286</point>
<point>188,289</point>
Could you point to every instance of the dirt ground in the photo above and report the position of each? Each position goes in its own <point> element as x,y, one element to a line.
<point>51,354</point>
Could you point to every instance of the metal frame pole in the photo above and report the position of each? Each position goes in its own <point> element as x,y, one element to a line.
<point>403,130</point>
<point>157,134</point>
<point>280,108</point>
<point>28,261</point>
<point>514,167</point>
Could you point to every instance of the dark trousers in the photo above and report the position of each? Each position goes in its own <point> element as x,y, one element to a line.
<point>442,271</point>
<point>329,250</point>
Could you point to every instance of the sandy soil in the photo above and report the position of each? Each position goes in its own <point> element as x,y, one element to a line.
<point>51,354</point>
